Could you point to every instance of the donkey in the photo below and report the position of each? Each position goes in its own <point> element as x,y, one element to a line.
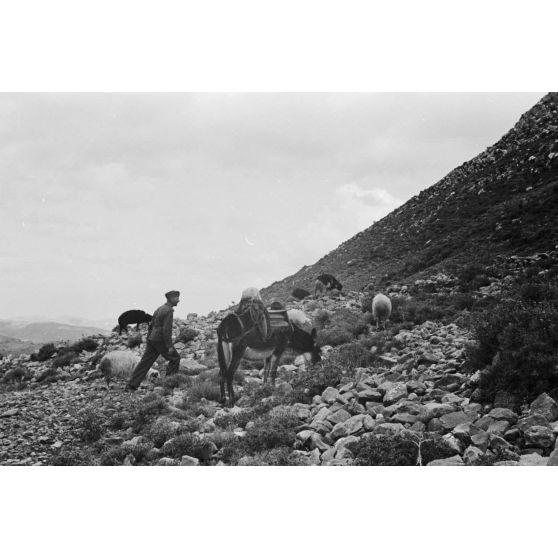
<point>238,336</point>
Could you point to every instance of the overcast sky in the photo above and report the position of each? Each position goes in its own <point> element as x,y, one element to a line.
<point>109,200</point>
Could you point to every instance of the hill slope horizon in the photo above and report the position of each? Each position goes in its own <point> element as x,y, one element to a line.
<point>503,201</point>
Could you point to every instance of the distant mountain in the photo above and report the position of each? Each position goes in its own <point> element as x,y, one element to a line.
<point>502,202</point>
<point>9,345</point>
<point>45,332</point>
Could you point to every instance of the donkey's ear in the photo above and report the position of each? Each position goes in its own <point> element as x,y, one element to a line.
<point>314,333</point>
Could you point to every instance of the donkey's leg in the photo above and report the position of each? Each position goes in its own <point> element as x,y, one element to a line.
<point>224,353</point>
<point>275,358</point>
<point>237,354</point>
<point>267,366</point>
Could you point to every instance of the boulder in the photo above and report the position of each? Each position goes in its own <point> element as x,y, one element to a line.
<point>451,420</point>
<point>394,394</point>
<point>188,461</point>
<point>473,455</point>
<point>501,413</point>
<point>191,367</point>
<point>539,436</point>
<point>546,406</point>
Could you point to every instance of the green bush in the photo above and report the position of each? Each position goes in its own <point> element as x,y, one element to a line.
<point>85,344</point>
<point>44,353</point>
<point>271,432</point>
<point>386,450</point>
<point>313,382</point>
<point>68,456</point>
<point>322,319</point>
<point>90,424</point>
<point>115,456</point>
<point>188,444</point>
<point>143,412</point>
<point>333,336</point>
<point>65,359</point>
<point>204,389</point>
<point>517,342</point>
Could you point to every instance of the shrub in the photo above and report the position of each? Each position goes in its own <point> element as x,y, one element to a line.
<point>90,424</point>
<point>313,382</point>
<point>386,450</point>
<point>271,432</point>
<point>518,342</point>
<point>161,431</point>
<point>204,389</point>
<point>281,456</point>
<point>322,318</point>
<point>188,444</point>
<point>187,334</point>
<point>353,355</point>
<point>174,381</point>
<point>118,421</point>
<point>65,359</point>
<point>85,344</point>
<point>151,405</point>
<point>333,336</point>
<point>14,375</point>
<point>134,341</point>
<point>44,353</point>
<point>464,301</point>
<point>116,456</point>
<point>68,456</point>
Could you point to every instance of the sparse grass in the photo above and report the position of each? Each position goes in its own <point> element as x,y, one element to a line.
<point>207,389</point>
<point>188,444</point>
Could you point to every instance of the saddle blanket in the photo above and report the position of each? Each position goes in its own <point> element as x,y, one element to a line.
<point>279,320</point>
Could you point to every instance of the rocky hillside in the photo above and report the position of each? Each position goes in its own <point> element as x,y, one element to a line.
<point>502,202</point>
<point>397,397</point>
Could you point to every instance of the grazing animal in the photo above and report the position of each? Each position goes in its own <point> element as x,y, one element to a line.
<point>118,364</point>
<point>381,309</point>
<point>300,293</point>
<point>238,336</point>
<point>319,287</point>
<point>133,317</point>
<point>330,282</point>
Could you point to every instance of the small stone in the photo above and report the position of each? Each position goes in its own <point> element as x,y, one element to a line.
<point>501,413</point>
<point>329,395</point>
<point>473,455</point>
<point>531,459</point>
<point>399,391</point>
<point>188,461</point>
<point>449,461</point>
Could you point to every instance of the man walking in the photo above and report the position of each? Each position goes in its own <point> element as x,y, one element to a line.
<point>159,342</point>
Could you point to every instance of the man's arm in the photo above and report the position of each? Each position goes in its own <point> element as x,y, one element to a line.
<point>167,329</point>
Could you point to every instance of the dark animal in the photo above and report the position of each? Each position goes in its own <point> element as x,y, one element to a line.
<point>328,281</point>
<point>300,293</point>
<point>238,336</point>
<point>132,317</point>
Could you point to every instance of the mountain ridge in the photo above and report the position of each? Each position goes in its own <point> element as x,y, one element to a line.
<point>503,201</point>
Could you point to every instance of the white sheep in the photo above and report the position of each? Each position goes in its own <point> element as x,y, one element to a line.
<point>118,364</point>
<point>381,309</point>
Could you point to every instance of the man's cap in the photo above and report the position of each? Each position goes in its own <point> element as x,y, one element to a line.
<point>172,293</point>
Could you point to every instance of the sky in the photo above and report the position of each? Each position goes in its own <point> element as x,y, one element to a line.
<point>109,200</point>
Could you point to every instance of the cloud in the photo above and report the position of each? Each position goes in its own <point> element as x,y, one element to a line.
<point>352,209</point>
